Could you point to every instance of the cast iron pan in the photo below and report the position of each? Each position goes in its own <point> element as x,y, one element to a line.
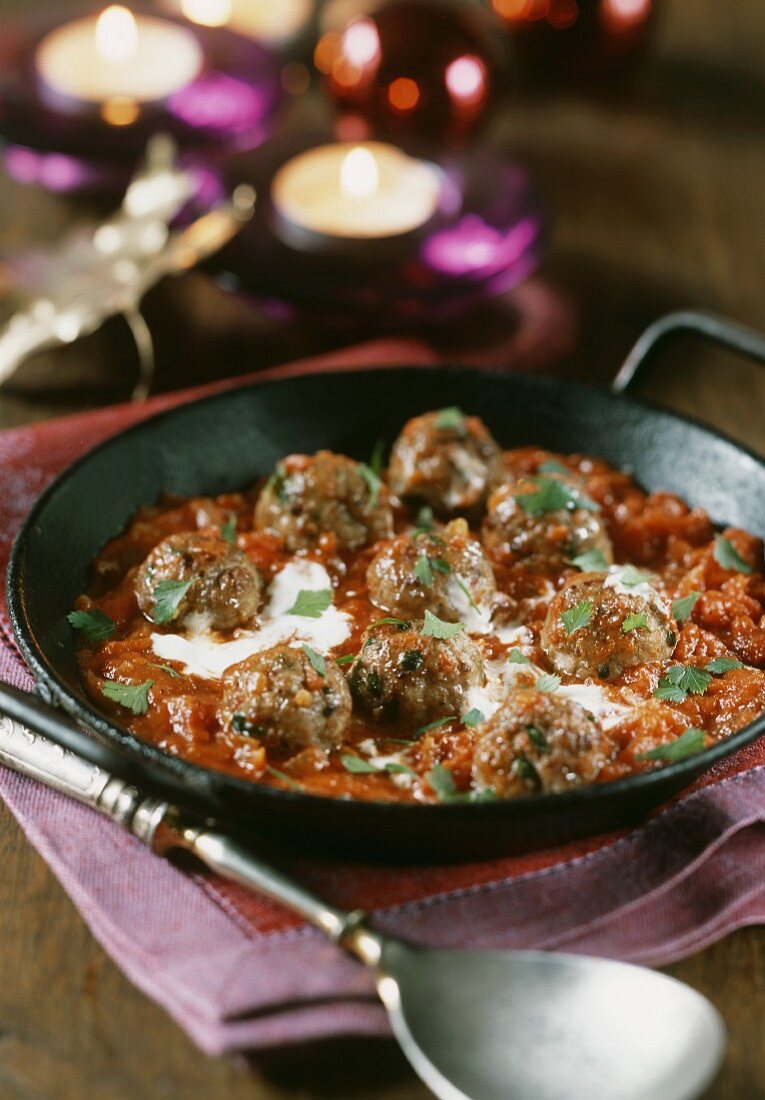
<point>226,441</point>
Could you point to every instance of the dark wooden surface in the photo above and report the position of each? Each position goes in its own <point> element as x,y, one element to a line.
<point>658,200</point>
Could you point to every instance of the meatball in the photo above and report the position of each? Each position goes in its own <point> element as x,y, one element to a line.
<point>537,743</point>
<point>621,625</point>
<point>308,496</point>
<point>403,675</point>
<point>543,523</point>
<point>223,584</point>
<point>443,573</point>
<point>446,459</point>
<point>280,697</point>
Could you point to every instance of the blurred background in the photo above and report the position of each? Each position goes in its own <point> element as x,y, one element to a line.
<point>636,124</point>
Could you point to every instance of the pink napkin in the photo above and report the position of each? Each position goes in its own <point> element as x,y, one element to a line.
<point>238,973</point>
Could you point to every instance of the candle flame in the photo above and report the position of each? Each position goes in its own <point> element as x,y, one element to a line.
<point>208,13</point>
<point>116,34</point>
<point>359,175</point>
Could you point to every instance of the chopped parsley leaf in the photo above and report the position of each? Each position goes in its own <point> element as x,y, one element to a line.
<point>311,603</point>
<point>356,765</point>
<point>474,717</point>
<point>95,625</point>
<point>284,778</point>
<point>389,620</point>
<point>690,742</point>
<point>228,529</point>
<point>423,571</point>
<point>726,555</point>
<point>553,496</point>
<point>373,482</point>
<point>167,598</point>
<point>631,577</point>
<point>346,659</point>
<point>134,697</point>
<point>433,627</point>
<point>591,561</point>
<point>435,725</point>
<point>376,457</point>
<point>241,724</point>
<point>577,616</point>
<point>442,782</point>
<point>411,660</point>
<point>424,519</point>
<point>166,668</point>
<point>723,664</point>
<point>451,419</point>
<point>636,621</point>
<point>682,608</point>
<point>679,681</point>
<point>536,737</point>
<point>552,466</point>
<point>317,661</point>
<point>548,683</point>
<point>517,657</point>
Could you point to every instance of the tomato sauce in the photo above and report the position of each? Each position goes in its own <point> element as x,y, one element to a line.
<point>656,531</point>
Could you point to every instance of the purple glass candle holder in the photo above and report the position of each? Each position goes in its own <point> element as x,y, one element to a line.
<point>485,237</point>
<point>229,106</point>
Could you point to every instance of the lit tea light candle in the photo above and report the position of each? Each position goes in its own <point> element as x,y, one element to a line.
<point>364,192</point>
<point>264,20</point>
<point>118,58</point>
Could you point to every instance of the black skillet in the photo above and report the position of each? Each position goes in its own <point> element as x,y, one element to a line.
<point>226,441</point>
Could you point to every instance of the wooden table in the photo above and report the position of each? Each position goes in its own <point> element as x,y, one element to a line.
<point>658,200</point>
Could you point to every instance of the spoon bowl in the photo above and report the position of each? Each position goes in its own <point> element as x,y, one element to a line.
<point>528,1025</point>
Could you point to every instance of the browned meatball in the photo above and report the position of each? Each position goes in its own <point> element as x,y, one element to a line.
<point>442,572</point>
<point>223,584</point>
<point>281,698</point>
<point>543,523</point>
<point>402,675</point>
<point>621,625</point>
<point>312,495</point>
<point>536,743</point>
<point>447,459</point>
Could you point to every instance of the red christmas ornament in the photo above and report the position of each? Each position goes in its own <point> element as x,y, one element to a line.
<point>580,41</point>
<point>420,69</point>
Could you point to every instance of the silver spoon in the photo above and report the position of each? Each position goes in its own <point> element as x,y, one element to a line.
<point>475,1025</point>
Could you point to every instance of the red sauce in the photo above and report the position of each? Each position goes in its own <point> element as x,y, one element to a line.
<point>656,531</point>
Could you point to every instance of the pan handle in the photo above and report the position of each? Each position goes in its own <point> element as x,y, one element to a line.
<point>709,326</point>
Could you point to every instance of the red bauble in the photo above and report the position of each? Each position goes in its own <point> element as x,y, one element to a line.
<point>420,69</point>
<point>577,40</point>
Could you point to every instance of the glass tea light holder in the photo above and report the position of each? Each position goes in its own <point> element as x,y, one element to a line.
<point>285,26</point>
<point>348,232</point>
<point>80,97</point>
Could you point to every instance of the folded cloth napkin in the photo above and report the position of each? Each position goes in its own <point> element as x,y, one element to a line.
<point>239,973</point>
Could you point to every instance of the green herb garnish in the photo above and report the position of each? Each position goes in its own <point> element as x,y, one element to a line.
<point>311,603</point>
<point>134,697</point>
<point>591,561</point>
<point>726,555</point>
<point>389,620</point>
<point>679,681</point>
<point>346,659</point>
<point>682,608</point>
<point>517,657</point>
<point>577,616</point>
<point>433,627</point>
<point>317,661</point>
<point>228,529</point>
<point>552,466</point>
<point>690,742</point>
<point>435,725</point>
<point>373,482</point>
<point>240,723</point>
<point>356,765</point>
<point>442,782</point>
<point>631,577</point>
<point>536,737</point>
<point>376,457</point>
<point>423,571</point>
<point>95,625</point>
<point>723,664</point>
<point>636,621</point>
<point>474,717</point>
<point>412,659</point>
<point>284,778</point>
<point>451,419</point>
<point>167,598</point>
<point>548,683</point>
<point>166,668</point>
